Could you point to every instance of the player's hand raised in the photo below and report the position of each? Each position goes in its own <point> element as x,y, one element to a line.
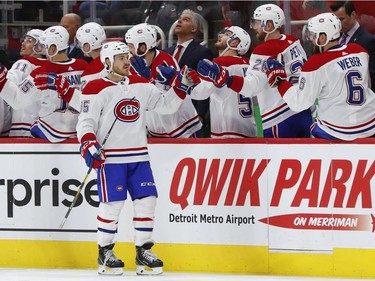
<point>184,82</point>
<point>93,153</point>
<point>214,72</point>
<point>275,72</point>
<point>140,67</point>
<point>193,77</point>
<point>53,81</point>
<point>166,75</point>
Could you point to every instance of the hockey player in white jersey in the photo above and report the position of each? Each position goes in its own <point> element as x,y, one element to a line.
<point>278,120</point>
<point>56,119</point>
<point>89,38</point>
<point>32,57</point>
<point>231,115</point>
<point>338,76</point>
<point>120,101</point>
<point>142,42</point>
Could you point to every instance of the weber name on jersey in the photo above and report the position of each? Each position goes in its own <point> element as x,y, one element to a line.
<point>346,107</point>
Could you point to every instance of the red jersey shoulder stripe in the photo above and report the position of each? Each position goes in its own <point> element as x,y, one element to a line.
<point>134,79</point>
<point>274,46</point>
<point>95,86</point>
<point>230,60</point>
<point>35,61</point>
<point>93,67</point>
<point>319,60</point>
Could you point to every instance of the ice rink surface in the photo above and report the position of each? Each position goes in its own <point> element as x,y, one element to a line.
<point>91,275</point>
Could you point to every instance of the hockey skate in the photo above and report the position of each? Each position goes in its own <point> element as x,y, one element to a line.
<point>109,264</point>
<point>147,262</point>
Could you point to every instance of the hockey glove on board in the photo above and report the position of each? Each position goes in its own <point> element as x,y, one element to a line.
<point>139,66</point>
<point>93,153</point>
<point>275,72</point>
<point>53,81</point>
<point>217,74</point>
<point>3,76</point>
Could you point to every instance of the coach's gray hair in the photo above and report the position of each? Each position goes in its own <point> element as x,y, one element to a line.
<point>197,19</point>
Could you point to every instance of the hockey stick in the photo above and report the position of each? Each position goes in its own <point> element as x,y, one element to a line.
<point>89,170</point>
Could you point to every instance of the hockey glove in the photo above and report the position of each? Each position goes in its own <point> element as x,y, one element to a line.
<point>193,77</point>
<point>93,153</point>
<point>3,76</point>
<point>166,75</point>
<point>275,72</point>
<point>217,74</point>
<point>140,67</point>
<point>183,82</point>
<point>53,81</point>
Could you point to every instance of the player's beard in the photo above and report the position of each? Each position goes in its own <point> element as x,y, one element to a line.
<point>315,49</point>
<point>220,45</point>
<point>261,36</point>
<point>120,71</point>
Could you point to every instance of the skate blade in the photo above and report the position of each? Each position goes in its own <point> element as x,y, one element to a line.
<point>144,270</point>
<point>104,270</point>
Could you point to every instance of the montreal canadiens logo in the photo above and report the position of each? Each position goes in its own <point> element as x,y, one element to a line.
<point>127,110</point>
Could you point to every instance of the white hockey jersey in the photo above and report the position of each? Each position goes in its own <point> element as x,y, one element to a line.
<point>231,114</point>
<point>273,108</point>
<point>22,119</point>
<point>104,101</point>
<point>5,118</point>
<point>181,124</point>
<point>339,79</point>
<point>56,119</point>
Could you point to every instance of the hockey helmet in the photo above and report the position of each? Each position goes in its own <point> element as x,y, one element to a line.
<point>91,33</point>
<point>55,35</point>
<point>142,33</point>
<point>268,12</point>
<point>109,50</point>
<point>35,34</point>
<point>327,23</point>
<point>242,35</point>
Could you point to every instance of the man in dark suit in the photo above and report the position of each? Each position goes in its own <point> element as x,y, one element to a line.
<point>188,51</point>
<point>72,22</point>
<point>352,32</point>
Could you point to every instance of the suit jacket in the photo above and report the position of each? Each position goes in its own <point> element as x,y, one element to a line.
<point>78,54</point>
<point>192,55</point>
<point>367,41</point>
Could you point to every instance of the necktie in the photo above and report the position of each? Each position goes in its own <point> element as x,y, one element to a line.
<point>177,54</point>
<point>343,38</point>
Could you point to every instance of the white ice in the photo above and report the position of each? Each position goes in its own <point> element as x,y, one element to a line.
<point>16,274</point>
